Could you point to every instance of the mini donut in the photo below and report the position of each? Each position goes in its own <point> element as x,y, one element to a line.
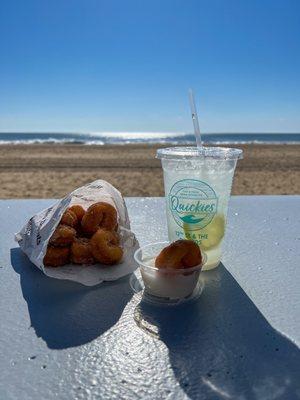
<point>179,254</point>
<point>81,251</point>
<point>63,236</point>
<point>56,256</point>
<point>105,247</point>
<point>69,218</point>
<point>78,211</point>
<point>99,215</point>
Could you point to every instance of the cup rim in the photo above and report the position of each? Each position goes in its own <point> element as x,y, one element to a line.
<point>167,270</point>
<point>192,152</point>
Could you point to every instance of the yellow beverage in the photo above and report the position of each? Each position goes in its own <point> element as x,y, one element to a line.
<point>197,187</point>
<point>209,239</point>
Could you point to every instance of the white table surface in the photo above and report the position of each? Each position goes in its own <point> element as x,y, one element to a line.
<point>61,340</point>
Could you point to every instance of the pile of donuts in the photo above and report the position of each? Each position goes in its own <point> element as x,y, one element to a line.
<point>85,237</point>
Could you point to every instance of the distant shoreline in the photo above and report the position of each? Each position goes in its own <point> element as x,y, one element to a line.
<point>46,143</point>
<point>158,138</point>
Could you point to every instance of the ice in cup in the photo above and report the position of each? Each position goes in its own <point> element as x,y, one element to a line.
<point>197,188</point>
<point>173,284</point>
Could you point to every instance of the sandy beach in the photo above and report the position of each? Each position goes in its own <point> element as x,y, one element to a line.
<point>50,171</point>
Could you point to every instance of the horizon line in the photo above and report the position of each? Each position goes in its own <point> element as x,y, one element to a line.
<point>149,132</point>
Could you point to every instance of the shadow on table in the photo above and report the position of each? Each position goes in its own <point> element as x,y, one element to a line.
<point>222,347</point>
<point>67,314</point>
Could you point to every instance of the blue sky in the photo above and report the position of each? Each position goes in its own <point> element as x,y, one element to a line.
<point>94,65</point>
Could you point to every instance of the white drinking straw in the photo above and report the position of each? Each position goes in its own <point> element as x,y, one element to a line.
<point>195,120</point>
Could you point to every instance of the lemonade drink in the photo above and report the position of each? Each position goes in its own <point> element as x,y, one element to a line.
<point>197,188</point>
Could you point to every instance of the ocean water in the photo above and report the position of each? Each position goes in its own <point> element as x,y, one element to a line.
<point>103,138</point>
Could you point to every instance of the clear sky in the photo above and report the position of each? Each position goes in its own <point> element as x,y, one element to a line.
<point>95,65</point>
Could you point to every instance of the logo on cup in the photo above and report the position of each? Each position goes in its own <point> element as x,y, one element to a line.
<point>193,203</point>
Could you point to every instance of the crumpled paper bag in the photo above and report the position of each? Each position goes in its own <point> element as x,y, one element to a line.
<point>34,236</point>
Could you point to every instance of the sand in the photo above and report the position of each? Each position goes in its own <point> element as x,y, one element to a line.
<point>51,171</point>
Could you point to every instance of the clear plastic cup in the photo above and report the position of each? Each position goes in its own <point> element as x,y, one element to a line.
<point>166,283</point>
<point>197,187</point>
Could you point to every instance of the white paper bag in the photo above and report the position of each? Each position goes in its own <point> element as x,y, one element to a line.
<point>34,236</point>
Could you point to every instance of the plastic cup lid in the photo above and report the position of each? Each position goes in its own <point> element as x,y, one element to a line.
<point>187,153</point>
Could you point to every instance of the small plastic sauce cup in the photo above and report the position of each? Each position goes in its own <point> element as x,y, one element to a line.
<point>167,283</point>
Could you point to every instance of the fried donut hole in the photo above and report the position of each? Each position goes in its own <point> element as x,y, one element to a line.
<point>105,247</point>
<point>99,215</point>
<point>81,251</point>
<point>78,211</point>
<point>63,236</point>
<point>69,218</point>
<point>179,254</point>
<point>56,256</point>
